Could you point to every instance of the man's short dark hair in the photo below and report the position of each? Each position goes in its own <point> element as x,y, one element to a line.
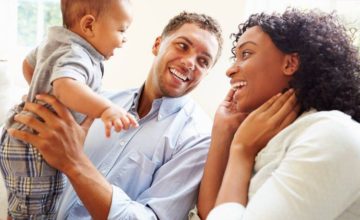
<point>205,22</point>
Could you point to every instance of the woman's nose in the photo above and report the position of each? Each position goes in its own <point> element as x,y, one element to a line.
<point>232,70</point>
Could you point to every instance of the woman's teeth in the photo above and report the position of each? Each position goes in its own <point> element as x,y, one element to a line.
<point>238,85</point>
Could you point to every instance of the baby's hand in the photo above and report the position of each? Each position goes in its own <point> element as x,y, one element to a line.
<point>118,118</point>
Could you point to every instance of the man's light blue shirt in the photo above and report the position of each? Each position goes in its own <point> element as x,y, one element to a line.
<point>155,169</point>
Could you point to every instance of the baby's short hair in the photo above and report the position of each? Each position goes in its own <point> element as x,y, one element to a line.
<point>74,10</point>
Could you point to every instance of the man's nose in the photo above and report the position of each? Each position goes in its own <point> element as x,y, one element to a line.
<point>189,62</point>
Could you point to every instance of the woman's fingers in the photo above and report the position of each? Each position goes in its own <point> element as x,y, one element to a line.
<point>285,109</point>
<point>229,95</point>
<point>291,116</point>
<point>268,103</point>
<point>280,102</point>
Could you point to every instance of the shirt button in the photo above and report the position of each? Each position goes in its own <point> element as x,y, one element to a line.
<point>122,143</point>
<point>103,172</point>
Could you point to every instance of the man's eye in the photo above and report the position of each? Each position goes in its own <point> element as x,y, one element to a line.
<point>183,46</point>
<point>204,62</point>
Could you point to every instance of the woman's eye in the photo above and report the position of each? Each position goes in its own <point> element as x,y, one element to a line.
<point>245,54</point>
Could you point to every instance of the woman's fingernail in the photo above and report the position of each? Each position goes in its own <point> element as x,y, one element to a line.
<point>284,90</point>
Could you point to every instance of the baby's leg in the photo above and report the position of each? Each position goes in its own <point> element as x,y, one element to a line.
<point>33,186</point>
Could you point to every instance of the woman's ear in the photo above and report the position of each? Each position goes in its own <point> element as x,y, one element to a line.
<point>87,24</point>
<point>292,63</point>
<point>156,46</point>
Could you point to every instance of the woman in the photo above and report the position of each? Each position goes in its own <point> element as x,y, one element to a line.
<point>309,170</point>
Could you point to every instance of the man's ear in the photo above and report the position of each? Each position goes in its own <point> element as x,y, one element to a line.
<point>87,24</point>
<point>156,46</point>
<point>291,64</point>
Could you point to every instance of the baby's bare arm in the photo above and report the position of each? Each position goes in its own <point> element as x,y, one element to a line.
<point>28,71</point>
<point>79,97</point>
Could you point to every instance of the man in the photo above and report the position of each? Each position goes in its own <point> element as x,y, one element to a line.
<point>149,172</point>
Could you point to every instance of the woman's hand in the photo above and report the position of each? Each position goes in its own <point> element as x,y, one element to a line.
<point>265,122</point>
<point>226,122</point>
<point>227,118</point>
<point>59,138</point>
<point>253,134</point>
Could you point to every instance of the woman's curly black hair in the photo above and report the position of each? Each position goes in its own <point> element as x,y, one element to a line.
<point>328,76</point>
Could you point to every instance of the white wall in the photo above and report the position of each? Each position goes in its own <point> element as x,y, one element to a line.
<point>129,67</point>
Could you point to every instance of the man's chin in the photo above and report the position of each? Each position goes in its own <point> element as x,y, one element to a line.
<point>173,93</point>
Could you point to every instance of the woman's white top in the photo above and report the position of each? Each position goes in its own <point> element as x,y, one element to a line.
<point>310,170</point>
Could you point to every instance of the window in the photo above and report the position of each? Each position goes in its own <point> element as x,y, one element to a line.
<point>34,18</point>
<point>27,22</point>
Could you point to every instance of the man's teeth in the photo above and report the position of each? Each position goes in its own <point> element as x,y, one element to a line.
<point>239,85</point>
<point>178,74</point>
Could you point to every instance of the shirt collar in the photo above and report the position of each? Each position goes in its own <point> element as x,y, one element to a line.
<point>166,105</point>
<point>62,34</point>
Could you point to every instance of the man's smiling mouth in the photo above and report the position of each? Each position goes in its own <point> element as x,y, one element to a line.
<point>179,75</point>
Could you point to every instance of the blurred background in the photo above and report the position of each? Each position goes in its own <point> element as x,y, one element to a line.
<point>25,22</point>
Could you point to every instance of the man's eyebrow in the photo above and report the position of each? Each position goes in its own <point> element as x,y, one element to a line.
<point>191,43</point>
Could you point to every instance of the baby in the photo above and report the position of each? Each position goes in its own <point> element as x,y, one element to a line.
<point>69,65</point>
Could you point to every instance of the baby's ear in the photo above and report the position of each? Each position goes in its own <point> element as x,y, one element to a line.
<point>87,24</point>
<point>156,46</point>
<point>291,64</point>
